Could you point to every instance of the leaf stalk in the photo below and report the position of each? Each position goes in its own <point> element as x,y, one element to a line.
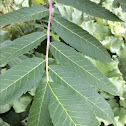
<point>48,40</point>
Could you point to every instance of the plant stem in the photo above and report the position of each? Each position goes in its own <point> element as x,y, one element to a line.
<point>48,40</point>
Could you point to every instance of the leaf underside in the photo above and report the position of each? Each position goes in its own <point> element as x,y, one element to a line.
<point>74,61</point>
<point>39,113</point>
<point>91,8</point>
<point>20,46</point>
<point>80,39</point>
<point>20,79</point>
<point>23,14</point>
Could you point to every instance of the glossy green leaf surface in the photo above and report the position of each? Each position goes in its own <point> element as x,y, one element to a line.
<point>100,107</point>
<point>80,39</point>
<point>20,79</point>
<point>91,8</point>
<point>71,59</point>
<point>39,113</point>
<point>68,109</point>
<point>20,46</point>
<point>23,14</point>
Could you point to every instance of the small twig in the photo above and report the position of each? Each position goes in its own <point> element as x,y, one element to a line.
<point>24,120</point>
<point>41,23</point>
<point>5,26</point>
<point>48,40</point>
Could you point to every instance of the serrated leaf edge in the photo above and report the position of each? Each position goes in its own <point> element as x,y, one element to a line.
<point>79,93</point>
<point>61,105</point>
<point>80,66</point>
<point>22,76</point>
<point>27,45</point>
<point>81,38</point>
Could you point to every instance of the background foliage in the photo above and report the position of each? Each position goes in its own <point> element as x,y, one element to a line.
<point>112,35</point>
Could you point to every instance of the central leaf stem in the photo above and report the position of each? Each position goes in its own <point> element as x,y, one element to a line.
<point>48,40</point>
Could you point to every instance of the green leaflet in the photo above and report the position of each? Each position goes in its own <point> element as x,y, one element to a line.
<point>20,46</point>
<point>20,79</point>
<point>2,123</point>
<point>4,35</point>
<point>5,108</point>
<point>20,104</point>
<point>17,60</point>
<point>91,8</point>
<point>67,108</point>
<point>23,14</point>
<point>122,62</point>
<point>82,66</point>
<point>100,107</point>
<point>39,113</point>
<point>80,39</point>
<point>122,3</point>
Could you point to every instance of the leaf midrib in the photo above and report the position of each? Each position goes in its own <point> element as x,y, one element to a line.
<point>22,76</point>
<point>79,93</point>
<point>41,105</point>
<point>81,38</point>
<point>80,66</point>
<point>62,105</point>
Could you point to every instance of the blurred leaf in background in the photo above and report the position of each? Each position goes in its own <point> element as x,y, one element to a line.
<point>38,2</point>
<point>120,3</point>
<point>122,62</point>
<point>4,35</point>
<point>2,123</point>
<point>22,103</point>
